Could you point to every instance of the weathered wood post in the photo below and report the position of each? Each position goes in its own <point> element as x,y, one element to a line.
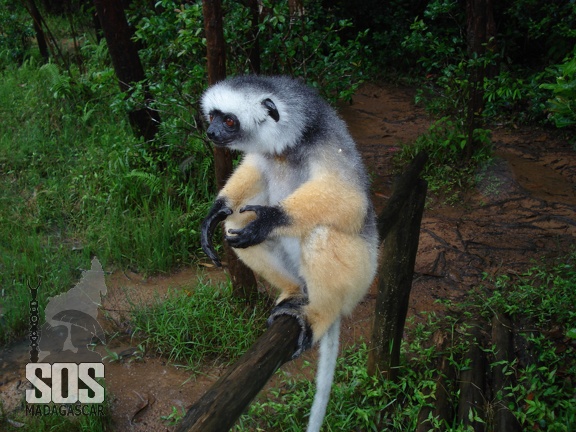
<point>472,383</point>
<point>399,227</point>
<point>503,340</point>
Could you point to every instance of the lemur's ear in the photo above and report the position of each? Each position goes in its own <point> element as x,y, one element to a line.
<point>272,110</point>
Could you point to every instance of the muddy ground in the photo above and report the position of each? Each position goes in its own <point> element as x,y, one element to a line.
<point>523,209</point>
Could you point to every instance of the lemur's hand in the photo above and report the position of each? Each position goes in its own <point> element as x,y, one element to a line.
<point>217,214</point>
<point>255,232</point>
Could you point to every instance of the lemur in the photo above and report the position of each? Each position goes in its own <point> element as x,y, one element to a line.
<point>297,209</point>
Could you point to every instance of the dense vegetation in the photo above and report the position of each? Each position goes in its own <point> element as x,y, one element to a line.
<point>76,182</point>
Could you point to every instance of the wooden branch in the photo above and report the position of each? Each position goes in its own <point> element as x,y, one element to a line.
<point>219,408</point>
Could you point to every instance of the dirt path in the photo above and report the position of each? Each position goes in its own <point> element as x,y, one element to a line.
<point>523,209</point>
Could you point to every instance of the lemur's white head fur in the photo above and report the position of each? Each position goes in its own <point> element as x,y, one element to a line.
<point>259,131</point>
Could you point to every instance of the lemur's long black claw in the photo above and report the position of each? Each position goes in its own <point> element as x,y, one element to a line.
<point>217,214</point>
<point>293,307</point>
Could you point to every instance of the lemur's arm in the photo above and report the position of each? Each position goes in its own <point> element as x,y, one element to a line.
<point>326,200</point>
<point>246,182</point>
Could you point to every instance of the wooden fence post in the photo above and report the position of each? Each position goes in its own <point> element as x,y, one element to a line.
<point>400,231</point>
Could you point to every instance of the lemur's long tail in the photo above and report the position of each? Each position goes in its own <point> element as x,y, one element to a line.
<point>324,375</point>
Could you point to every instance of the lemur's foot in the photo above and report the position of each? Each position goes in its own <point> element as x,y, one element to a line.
<point>293,307</point>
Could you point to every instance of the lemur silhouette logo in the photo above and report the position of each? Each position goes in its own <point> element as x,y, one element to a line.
<point>63,370</point>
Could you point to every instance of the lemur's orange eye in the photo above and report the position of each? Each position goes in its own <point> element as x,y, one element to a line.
<point>210,117</point>
<point>229,122</point>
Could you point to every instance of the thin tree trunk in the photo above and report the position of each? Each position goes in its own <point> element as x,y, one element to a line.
<point>480,25</point>
<point>127,65</point>
<point>254,53</point>
<point>243,280</point>
<point>37,22</point>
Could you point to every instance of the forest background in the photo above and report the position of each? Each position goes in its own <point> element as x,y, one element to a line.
<point>104,154</point>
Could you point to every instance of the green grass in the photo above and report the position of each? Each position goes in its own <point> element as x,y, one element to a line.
<point>74,183</point>
<point>196,325</point>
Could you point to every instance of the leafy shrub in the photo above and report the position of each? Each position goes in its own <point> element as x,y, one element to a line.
<point>563,104</point>
<point>510,97</point>
<point>437,38</point>
<point>446,172</point>
<point>531,34</point>
<point>543,299</point>
<point>311,47</point>
<point>16,33</point>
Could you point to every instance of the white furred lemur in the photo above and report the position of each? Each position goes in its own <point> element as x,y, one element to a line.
<point>297,208</point>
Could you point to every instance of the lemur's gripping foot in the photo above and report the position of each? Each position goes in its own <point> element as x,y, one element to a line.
<point>293,307</point>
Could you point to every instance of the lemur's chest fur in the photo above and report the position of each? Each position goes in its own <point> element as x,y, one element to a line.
<point>281,178</point>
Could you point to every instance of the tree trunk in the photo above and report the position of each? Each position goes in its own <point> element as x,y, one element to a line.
<point>37,22</point>
<point>480,30</point>
<point>243,280</point>
<point>254,53</point>
<point>127,65</point>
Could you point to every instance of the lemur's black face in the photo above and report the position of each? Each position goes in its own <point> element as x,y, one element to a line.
<point>224,128</point>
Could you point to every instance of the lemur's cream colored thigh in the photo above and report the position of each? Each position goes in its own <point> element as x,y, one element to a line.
<point>338,269</point>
